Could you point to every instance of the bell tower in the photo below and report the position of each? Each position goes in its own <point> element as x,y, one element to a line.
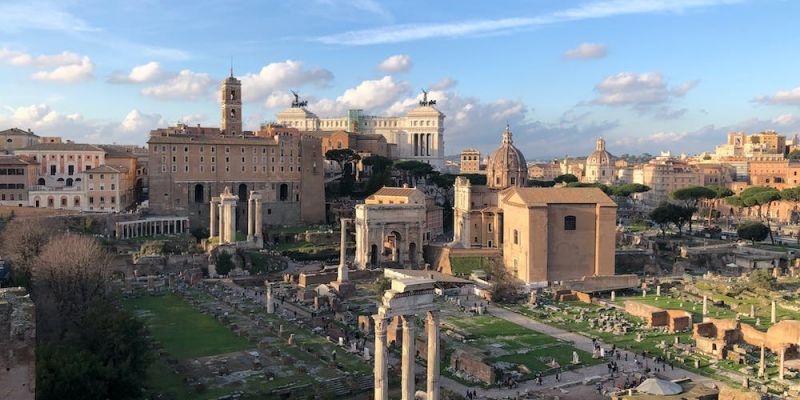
<point>231,92</point>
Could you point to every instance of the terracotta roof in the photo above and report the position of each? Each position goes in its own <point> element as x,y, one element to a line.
<point>215,139</point>
<point>117,151</point>
<point>104,169</point>
<point>395,191</point>
<point>533,195</point>
<point>62,147</point>
<point>17,131</point>
<point>15,160</point>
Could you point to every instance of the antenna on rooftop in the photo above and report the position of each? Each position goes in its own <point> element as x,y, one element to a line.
<point>231,66</point>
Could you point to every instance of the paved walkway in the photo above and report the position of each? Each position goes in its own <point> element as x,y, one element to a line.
<point>571,384</point>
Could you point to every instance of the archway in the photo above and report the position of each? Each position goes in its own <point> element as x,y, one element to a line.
<point>242,192</point>
<point>199,193</point>
<point>393,242</point>
<point>284,192</point>
<point>36,201</point>
<point>412,253</point>
<point>373,255</point>
<point>69,182</point>
<point>40,182</point>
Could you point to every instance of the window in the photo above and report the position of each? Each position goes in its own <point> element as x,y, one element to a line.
<point>516,236</point>
<point>52,170</point>
<point>570,223</point>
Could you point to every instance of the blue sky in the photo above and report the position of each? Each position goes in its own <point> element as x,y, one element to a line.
<point>647,75</point>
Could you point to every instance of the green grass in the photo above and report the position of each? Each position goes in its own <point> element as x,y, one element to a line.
<point>182,331</point>
<point>465,265</point>
<point>520,345</point>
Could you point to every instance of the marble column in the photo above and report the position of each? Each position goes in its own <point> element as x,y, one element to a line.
<point>250,218</point>
<point>381,362</point>
<point>432,326</point>
<point>270,304</point>
<point>258,221</point>
<point>342,275</point>
<point>613,295</point>
<point>221,224</point>
<point>231,222</point>
<point>408,358</point>
<point>705,305</point>
<point>658,290</point>
<point>761,369</point>
<point>774,316</point>
<point>782,356</point>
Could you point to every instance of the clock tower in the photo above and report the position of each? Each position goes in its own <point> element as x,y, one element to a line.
<point>231,92</point>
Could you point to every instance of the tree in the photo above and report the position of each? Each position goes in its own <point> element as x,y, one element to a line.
<point>413,169</point>
<point>690,196</point>
<point>378,163</point>
<point>538,183</point>
<point>661,217</point>
<point>736,201</point>
<point>565,178</point>
<point>70,273</point>
<point>753,231</point>
<point>720,192</point>
<point>792,195</point>
<point>605,188</point>
<point>627,189</point>
<point>224,263</point>
<point>21,242</point>
<point>794,155</point>
<point>668,213</point>
<point>475,179</point>
<point>761,197</point>
<point>345,159</point>
<point>381,173</point>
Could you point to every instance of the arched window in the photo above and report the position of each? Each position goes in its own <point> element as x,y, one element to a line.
<point>69,182</point>
<point>284,192</point>
<point>242,192</point>
<point>40,182</point>
<point>570,223</point>
<point>199,194</point>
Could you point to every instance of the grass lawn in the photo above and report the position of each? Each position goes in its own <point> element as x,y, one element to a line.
<point>465,265</point>
<point>520,345</point>
<point>182,331</point>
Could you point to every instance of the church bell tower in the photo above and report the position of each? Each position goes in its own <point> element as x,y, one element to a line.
<point>231,92</point>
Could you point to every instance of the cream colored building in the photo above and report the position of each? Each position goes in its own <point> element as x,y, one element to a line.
<point>470,162</point>
<point>391,228</point>
<point>740,144</point>
<point>418,135</point>
<point>599,165</point>
<point>544,234</point>
<point>15,139</point>
<point>664,175</point>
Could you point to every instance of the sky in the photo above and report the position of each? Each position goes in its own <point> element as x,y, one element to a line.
<point>646,75</point>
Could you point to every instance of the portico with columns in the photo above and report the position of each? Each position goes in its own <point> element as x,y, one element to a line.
<point>152,227</point>
<point>408,298</point>
<point>222,218</point>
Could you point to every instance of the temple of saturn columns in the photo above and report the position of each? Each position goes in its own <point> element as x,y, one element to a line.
<point>406,299</point>
<point>152,227</point>
<point>222,218</point>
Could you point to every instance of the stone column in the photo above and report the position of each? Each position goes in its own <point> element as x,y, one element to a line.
<point>250,230</point>
<point>752,311</point>
<point>342,276</point>
<point>258,221</point>
<point>381,362</point>
<point>221,223</point>
<point>761,370</point>
<point>658,290</point>
<point>782,356</point>
<point>774,317</point>
<point>432,327</point>
<point>705,305</point>
<point>270,304</point>
<point>231,222</point>
<point>408,357</point>
<point>613,295</point>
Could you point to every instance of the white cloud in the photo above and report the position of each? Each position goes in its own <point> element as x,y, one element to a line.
<point>281,75</point>
<point>69,73</point>
<point>144,73</point>
<point>395,64</point>
<point>444,84</point>
<point>591,10</point>
<point>67,67</point>
<point>278,99</point>
<point>373,94</point>
<point>39,15</point>
<point>587,51</point>
<point>187,85</point>
<point>646,93</point>
<point>790,97</point>
<point>136,121</point>
<point>785,120</point>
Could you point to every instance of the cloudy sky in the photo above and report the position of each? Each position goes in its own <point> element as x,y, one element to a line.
<point>647,75</point>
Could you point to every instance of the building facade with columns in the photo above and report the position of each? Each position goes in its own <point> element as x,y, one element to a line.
<point>543,234</point>
<point>187,164</point>
<point>418,135</point>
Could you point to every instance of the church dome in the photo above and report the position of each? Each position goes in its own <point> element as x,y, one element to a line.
<point>600,156</point>
<point>507,166</point>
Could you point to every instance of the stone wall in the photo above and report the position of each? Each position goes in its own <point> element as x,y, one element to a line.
<point>18,342</point>
<point>473,366</point>
<point>317,278</point>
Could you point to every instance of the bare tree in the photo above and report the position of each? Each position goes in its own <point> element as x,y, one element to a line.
<point>21,242</point>
<point>70,273</point>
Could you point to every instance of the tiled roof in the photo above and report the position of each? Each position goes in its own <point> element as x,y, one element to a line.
<point>104,169</point>
<point>16,131</point>
<point>62,147</point>
<point>533,195</point>
<point>15,160</point>
<point>395,191</point>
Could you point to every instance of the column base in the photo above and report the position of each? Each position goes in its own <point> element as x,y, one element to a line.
<point>345,289</point>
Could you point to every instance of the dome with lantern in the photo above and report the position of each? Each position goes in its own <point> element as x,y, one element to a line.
<point>507,166</point>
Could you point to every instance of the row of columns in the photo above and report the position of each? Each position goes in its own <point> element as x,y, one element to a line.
<point>134,229</point>
<point>224,225</point>
<point>422,143</point>
<point>408,360</point>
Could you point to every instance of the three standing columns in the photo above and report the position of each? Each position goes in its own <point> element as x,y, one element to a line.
<point>408,357</point>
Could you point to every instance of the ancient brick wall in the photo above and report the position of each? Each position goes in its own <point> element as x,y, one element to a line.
<point>472,365</point>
